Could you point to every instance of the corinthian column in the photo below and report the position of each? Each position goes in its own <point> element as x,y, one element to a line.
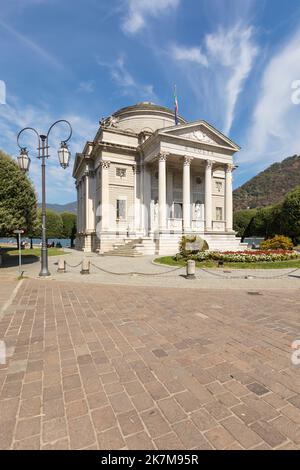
<point>228,197</point>
<point>162,193</point>
<point>104,195</point>
<point>208,195</point>
<point>186,193</point>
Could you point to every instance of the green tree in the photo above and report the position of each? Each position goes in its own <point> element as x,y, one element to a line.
<point>267,222</point>
<point>54,225</point>
<point>17,198</point>
<point>69,226</point>
<point>290,214</point>
<point>243,221</point>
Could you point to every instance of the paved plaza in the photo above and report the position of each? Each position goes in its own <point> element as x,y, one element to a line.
<point>142,271</point>
<point>94,366</point>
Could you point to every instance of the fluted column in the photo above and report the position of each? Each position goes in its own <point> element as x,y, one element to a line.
<point>86,201</point>
<point>208,195</point>
<point>137,205</point>
<point>104,195</point>
<point>228,197</point>
<point>162,191</point>
<point>78,205</point>
<point>186,190</point>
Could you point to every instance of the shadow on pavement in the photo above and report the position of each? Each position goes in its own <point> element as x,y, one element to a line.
<point>11,260</point>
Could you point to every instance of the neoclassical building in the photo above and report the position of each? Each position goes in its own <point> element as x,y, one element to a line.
<point>146,181</point>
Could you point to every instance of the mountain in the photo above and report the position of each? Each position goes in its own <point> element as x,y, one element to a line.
<point>69,207</point>
<point>269,186</point>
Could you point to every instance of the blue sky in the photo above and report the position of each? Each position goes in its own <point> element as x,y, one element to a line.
<point>235,63</point>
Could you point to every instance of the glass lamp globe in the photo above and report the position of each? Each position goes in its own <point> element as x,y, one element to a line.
<point>24,160</point>
<point>64,155</point>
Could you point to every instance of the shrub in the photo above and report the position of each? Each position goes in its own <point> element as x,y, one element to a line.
<point>198,242</point>
<point>279,242</point>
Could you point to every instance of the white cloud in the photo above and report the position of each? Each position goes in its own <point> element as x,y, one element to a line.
<point>228,57</point>
<point>139,10</point>
<point>274,132</point>
<point>190,54</point>
<point>125,80</point>
<point>235,50</point>
<point>15,116</point>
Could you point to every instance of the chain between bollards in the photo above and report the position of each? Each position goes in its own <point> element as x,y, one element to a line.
<point>190,271</point>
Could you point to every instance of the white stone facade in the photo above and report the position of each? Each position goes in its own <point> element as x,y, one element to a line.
<point>144,178</point>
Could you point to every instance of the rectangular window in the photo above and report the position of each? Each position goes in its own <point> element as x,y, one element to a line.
<point>121,172</point>
<point>219,213</point>
<point>121,209</point>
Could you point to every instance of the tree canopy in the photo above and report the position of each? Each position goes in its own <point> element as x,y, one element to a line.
<point>54,225</point>
<point>290,214</point>
<point>280,219</point>
<point>69,225</point>
<point>17,198</point>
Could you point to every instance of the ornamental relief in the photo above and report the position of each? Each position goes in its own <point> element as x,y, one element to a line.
<point>199,136</point>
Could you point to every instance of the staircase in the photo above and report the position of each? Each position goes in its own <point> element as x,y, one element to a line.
<point>129,249</point>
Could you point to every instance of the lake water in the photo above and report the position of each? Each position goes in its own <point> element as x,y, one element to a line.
<point>66,242</point>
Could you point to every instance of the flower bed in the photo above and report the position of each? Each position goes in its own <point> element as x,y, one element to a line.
<point>243,256</point>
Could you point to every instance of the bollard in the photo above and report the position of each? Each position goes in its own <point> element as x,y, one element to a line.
<point>61,266</point>
<point>190,269</point>
<point>85,267</point>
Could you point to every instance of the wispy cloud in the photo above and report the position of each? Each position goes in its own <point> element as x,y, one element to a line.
<point>189,54</point>
<point>274,131</point>
<point>228,57</point>
<point>126,82</point>
<point>31,45</point>
<point>139,10</point>
<point>235,51</point>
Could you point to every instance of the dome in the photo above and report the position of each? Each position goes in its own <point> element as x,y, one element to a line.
<point>146,117</point>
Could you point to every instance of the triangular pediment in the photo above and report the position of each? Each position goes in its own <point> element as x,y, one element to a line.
<point>201,132</point>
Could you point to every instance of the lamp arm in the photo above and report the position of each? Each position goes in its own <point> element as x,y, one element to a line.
<point>27,129</point>
<point>57,122</point>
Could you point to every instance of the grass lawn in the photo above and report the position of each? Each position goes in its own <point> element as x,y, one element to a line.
<point>31,252</point>
<point>295,263</point>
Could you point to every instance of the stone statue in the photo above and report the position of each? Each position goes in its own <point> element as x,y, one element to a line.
<point>197,211</point>
<point>156,210</point>
<point>111,121</point>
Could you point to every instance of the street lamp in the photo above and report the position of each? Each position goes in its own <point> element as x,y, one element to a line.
<point>24,163</point>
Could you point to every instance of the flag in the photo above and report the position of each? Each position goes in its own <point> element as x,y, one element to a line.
<point>176,106</point>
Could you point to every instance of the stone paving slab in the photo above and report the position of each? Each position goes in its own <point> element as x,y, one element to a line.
<point>117,367</point>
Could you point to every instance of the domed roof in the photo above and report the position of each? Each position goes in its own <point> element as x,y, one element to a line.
<point>145,116</point>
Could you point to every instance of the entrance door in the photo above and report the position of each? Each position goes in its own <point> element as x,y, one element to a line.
<point>177,210</point>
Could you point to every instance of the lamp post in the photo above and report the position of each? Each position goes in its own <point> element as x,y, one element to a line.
<point>24,164</point>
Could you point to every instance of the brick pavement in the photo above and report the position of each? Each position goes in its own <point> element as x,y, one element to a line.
<point>114,367</point>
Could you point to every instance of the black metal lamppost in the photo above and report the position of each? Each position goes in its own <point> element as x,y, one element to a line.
<point>24,164</point>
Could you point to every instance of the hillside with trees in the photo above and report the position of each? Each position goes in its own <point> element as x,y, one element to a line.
<point>270,186</point>
<point>279,219</point>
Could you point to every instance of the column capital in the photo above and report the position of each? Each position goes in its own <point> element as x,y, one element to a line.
<point>229,167</point>
<point>162,156</point>
<point>187,160</point>
<point>90,173</point>
<point>105,163</point>
<point>209,163</point>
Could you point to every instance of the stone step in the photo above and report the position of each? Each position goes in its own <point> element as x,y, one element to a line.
<point>127,248</point>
